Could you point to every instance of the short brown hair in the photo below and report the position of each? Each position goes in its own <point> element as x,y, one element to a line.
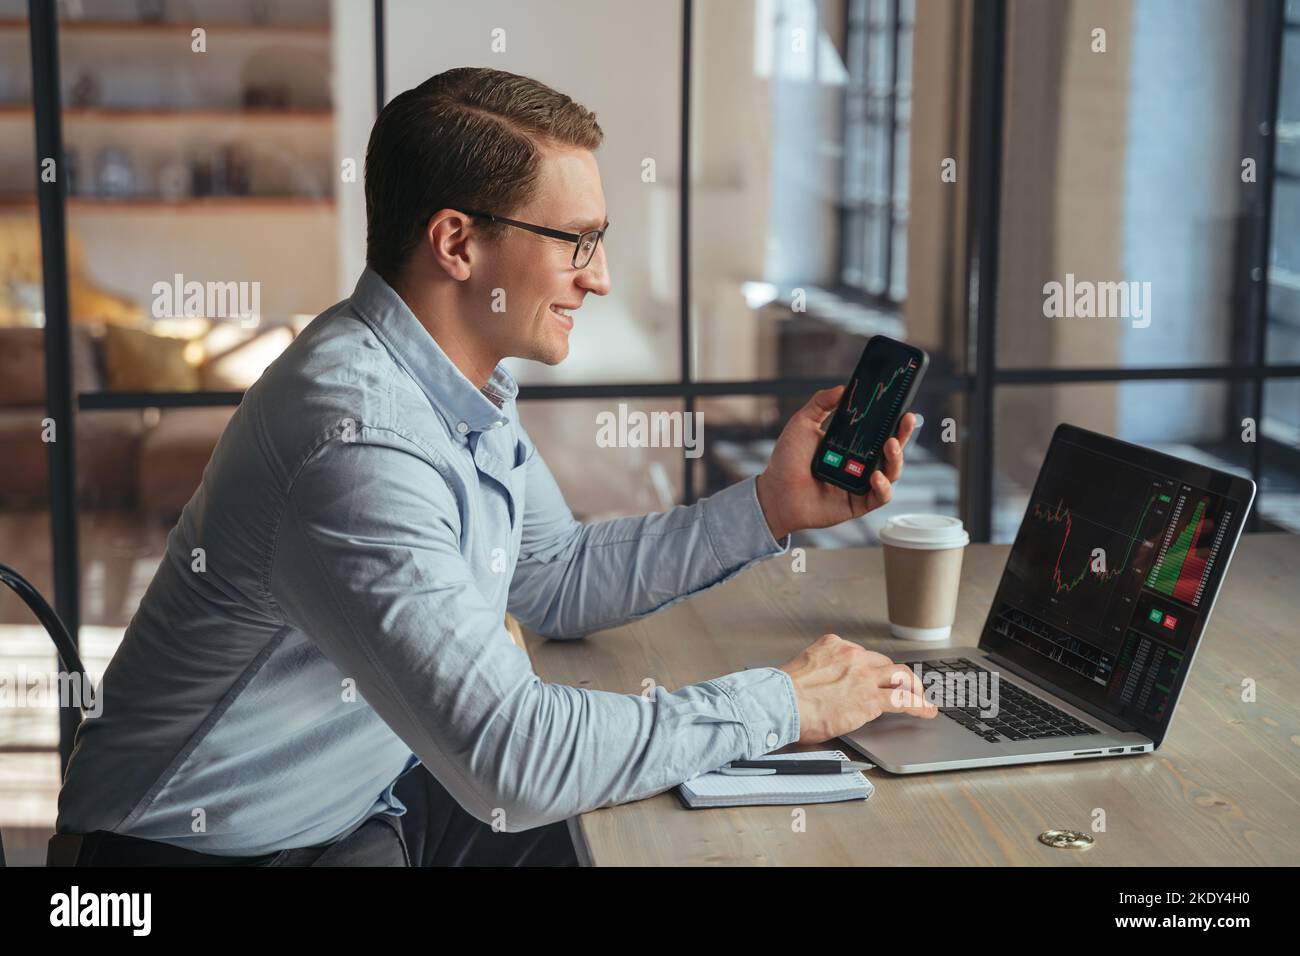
<point>465,139</point>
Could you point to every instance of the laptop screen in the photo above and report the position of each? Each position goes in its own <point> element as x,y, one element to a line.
<point>1113,573</point>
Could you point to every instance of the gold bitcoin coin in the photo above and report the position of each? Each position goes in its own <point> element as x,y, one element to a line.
<point>1068,839</point>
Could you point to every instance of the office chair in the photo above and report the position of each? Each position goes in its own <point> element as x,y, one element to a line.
<point>53,626</point>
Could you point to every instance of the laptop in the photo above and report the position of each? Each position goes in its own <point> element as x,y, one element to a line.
<point>1096,621</point>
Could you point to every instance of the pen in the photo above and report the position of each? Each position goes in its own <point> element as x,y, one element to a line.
<point>761,767</point>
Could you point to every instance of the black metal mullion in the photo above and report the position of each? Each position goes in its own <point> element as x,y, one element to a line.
<point>1261,244</point>
<point>853,115</point>
<point>952,327</point>
<point>890,158</point>
<point>982,256</point>
<point>864,115</point>
<point>842,213</point>
<point>718,389</point>
<point>381,60</point>
<point>684,261</point>
<point>47,111</point>
<point>99,401</point>
<point>96,401</point>
<point>1218,373</point>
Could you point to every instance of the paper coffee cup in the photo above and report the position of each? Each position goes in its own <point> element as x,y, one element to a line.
<point>922,573</point>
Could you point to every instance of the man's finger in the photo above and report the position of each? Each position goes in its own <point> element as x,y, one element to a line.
<point>900,700</point>
<point>905,428</point>
<point>821,404</point>
<point>893,460</point>
<point>907,690</point>
<point>903,677</point>
<point>881,488</point>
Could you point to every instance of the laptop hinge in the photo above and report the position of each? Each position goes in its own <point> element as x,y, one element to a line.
<point>1027,675</point>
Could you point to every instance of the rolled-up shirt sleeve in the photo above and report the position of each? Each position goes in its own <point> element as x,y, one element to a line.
<point>368,565</point>
<point>574,578</point>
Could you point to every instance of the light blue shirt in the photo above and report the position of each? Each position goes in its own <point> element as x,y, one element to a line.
<point>330,611</point>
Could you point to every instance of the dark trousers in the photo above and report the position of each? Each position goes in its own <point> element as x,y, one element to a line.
<point>437,832</point>
<point>434,831</point>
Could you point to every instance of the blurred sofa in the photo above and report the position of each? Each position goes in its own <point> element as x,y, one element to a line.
<point>145,459</point>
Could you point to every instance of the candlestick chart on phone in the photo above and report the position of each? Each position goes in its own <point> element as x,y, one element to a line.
<point>875,394</point>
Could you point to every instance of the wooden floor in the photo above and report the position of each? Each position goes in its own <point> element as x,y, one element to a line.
<point>119,553</point>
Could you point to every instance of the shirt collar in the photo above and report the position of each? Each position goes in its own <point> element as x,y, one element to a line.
<point>465,407</point>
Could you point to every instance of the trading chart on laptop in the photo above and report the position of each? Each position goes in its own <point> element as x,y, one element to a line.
<point>1110,574</point>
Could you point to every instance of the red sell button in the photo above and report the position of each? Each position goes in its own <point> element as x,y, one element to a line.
<point>854,467</point>
<point>1170,621</point>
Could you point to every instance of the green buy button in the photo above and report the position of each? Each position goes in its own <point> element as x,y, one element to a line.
<point>832,458</point>
<point>1157,615</point>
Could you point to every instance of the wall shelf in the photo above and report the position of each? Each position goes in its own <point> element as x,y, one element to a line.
<point>190,203</point>
<point>117,114</point>
<point>146,122</point>
<point>160,28</point>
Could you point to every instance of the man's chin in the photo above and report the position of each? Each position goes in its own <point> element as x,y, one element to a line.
<point>549,349</point>
<point>552,352</point>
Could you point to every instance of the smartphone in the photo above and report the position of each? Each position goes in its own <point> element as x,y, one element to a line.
<point>874,402</point>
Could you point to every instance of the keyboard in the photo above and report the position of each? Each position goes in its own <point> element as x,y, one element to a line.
<point>1020,715</point>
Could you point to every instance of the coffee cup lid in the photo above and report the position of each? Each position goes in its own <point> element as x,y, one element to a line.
<point>926,532</point>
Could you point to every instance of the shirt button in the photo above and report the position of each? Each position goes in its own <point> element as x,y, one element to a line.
<point>462,427</point>
<point>772,740</point>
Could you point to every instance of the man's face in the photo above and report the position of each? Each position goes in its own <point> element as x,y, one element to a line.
<point>537,272</point>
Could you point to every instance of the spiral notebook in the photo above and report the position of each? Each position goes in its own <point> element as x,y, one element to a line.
<point>721,790</point>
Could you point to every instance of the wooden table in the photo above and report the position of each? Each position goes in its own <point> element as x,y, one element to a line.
<point>1223,789</point>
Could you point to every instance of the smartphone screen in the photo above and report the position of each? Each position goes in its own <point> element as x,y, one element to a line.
<point>875,400</point>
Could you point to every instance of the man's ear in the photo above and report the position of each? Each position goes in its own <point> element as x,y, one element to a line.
<point>447,238</point>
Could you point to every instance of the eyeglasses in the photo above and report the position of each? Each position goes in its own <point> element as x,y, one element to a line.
<point>585,243</point>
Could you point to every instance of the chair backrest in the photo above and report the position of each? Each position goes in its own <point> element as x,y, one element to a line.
<point>63,642</point>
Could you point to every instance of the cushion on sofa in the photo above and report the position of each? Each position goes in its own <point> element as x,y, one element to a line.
<point>108,447</point>
<point>138,361</point>
<point>22,365</point>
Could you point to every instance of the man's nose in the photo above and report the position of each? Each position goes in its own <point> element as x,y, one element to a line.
<point>595,278</point>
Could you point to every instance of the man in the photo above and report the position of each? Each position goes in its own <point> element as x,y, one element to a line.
<point>319,672</point>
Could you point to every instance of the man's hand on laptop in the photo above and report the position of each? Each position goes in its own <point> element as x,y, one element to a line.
<point>839,686</point>
<point>792,499</point>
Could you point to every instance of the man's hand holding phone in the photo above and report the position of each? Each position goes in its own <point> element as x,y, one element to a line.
<point>793,500</point>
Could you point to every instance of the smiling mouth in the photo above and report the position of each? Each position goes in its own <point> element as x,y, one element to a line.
<point>566,316</point>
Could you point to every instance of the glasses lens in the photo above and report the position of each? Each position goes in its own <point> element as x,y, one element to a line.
<point>586,249</point>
